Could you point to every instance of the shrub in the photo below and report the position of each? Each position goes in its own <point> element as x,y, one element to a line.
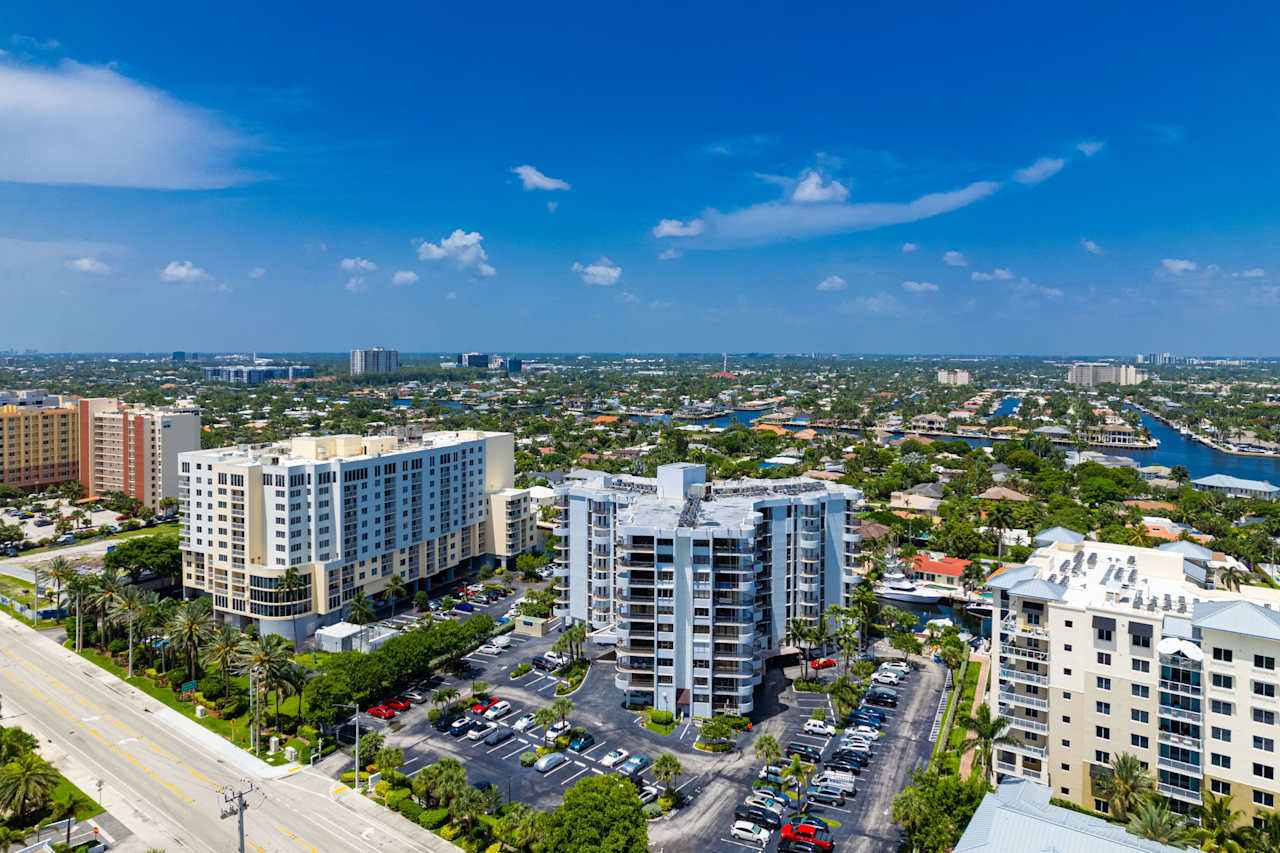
<point>409,809</point>
<point>541,751</point>
<point>450,832</point>
<point>666,803</point>
<point>433,818</point>
<point>307,733</point>
<point>348,778</point>
<point>213,687</point>
<point>528,758</point>
<point>651,810</point>
<point>562,742</point>
<point>738,723</point>
<point>662,718</point>
<point>233,706</point>
<point>382,789</point>
<point>117,646</point>
<point>521,669</point>
<point>434,715</point>
<point>495,847</point>
<point>176,677</point>
<point>819,714</point>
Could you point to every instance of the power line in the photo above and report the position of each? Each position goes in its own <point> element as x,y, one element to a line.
<point>233,804</point>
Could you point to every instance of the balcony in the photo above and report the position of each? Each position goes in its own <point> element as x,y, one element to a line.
<point>1024,677</point>
<point>1177,793</point>
<point>1011,626</point>
<point>1012,650</point>
<point>1180,714</point>
<point>1011,698</point>
<point>1024,749</point>
<point>1178,740</point>
<point>1006,768</point>
<point>1180,687</point>
<point>1179,766</point>
<point>1027,724</point>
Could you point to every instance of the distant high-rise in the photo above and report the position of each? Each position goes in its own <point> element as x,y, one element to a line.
<point>179,356</point>
<point>1091,373</point>
<point>514,365</point>
<point>245,375</point>
<point>474,359</point>
<point>376,360</point>
<point>134,450</point>
<point>953,377</point>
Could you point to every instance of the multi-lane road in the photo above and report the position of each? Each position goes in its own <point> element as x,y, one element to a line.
<point>163,781</point>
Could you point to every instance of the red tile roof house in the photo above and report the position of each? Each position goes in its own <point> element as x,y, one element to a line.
<point>945,571</point>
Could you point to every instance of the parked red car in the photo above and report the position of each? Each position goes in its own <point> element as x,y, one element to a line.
<point>398,704</point>
<point>482,706</point>
<point>807,832</point>
<point>382,712</point>
<point>822,663</point>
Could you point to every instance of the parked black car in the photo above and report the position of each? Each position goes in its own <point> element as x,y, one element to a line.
<point>758,816</point>
<point>806,752</point>
<point>545,665</point>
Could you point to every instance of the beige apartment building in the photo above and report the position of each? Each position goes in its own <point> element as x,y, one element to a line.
<point>38,439</point>
<point>1106,649</point>
<point>346,512</point>
<point>133,450</point>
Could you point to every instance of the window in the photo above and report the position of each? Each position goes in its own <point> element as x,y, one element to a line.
<point>1223,655</point>
<point>1219,707</point>
<point>1264,662</point>
<point>1263,798</point>
<point>1066,647</point>
<point>1219,733</point>
<point>1139,716</point>
<point>1104,683</point>
<point>1139,641</point>
<point>1142,691</point>
<point>1140,741</point>
<point>1104,635</point>
<point>1265,717</point>
<point>1066,670</point>
<point>1219,787</point>
<point>1102,732</point>
<point>1140,665</point>
<point>1066,718</point>
<point>1223,681</point>
<point>1219,760</point>
<point>1265,744</point>
<point>1104,658</point>
<point>1266,771</point>
<point>1101,757</point>
<point>1104,707</point>
<point>1264,688</point>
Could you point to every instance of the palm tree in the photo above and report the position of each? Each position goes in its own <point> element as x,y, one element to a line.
<point>544,717</point>
<point>1125,786</point>
<point>361,613</point>
<point>290,682</point>
<point>467,805</point>
<point>60,571</point>
<point>80,589</point>
<point>14,742</point>
<point>1153,820</point>
<point>446,779</point>
<point>26,783</point>
<point>911,810</point>
<point>988,732</point>
<point>666,768</point>
<point>65,807</point>
<point>767,749</point>
<point>562,708</point>
<point>799,772</point>
<point>9,837</point>
<point>158,623</point>
<point>268,656</point>
<point>845,694</point>
<point>1267,832</point>
<point>290,584</point>
<point>1000,518</point>
<point>394,590</point>
<point>1231,576</point>
<point>189,629</point>
<point>799,634</point>
<point>518,826</point>
<point>127,608</point>
<point>1219,830</point>
<point>223,650</point>
<point>444,696</point>
<point>107,587</point>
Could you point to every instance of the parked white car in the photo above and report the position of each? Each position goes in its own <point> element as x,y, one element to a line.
<point>745,830</point>
<point>482,731</point>
<point>886,677</point>
<point>818,727</point>
<point>523,723</point>
<point>864,731</point>
<point>502,641</point>
<point>550,761</point>
<point>556,729</point>
<point>490,649</point>
<point>498,711</point>
<point>614,758</point>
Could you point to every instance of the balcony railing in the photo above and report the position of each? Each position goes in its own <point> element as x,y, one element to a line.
<point>1023,700</point>
<point>1012,626</point>
<point>1024,677</point>
<point>1007,648</point>
<point>1028,725</point>
<point>1006,767</point>
<point>1180,714</point>
<point>1187,796</point>
<point>1024,749</point>
<point>1178,740</point>
<point>1179,766</point>
<point>1180,687</point>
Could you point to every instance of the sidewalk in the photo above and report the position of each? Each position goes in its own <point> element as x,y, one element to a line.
<point>362,806</point>
<point>984,664</point>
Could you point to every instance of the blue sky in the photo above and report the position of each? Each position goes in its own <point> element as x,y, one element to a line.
<point>938,178</point>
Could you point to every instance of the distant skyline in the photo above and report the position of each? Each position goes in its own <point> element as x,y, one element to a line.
<point>582,178</point>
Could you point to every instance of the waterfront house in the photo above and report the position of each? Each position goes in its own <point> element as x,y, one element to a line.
<point>942,571</point>
<point>1236,487</point>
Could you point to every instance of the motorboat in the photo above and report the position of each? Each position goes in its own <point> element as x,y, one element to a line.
<point>895,586</point>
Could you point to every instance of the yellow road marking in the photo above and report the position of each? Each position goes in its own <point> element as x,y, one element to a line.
<point>297,839</point>
<point>256,847</point>
<point>339,789</point>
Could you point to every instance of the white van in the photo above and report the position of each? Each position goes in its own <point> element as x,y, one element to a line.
<point>885,676</point>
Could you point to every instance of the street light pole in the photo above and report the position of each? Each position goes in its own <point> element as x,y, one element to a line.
<point>356,709</point>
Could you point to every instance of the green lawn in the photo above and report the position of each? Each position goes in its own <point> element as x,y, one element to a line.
<point>89,808</point>
<point>320,661</point>
<point>659,728</point>
<point>167,527</point>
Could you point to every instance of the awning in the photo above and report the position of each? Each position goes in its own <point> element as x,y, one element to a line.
<point>1106,623</point>
<point>1140,629</point>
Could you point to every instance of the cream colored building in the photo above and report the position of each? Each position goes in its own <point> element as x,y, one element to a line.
<point>134,450</point>
<point>1107,649</point>
<point>953,377</point>
<point>38,434</point>
<point>346,512</point>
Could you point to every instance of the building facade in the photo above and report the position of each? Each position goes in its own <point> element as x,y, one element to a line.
<point>256,375</point>
<point>38,439</point>
<point>133,451</point>
<point>346,512</point>
<point>473,359</point>
<point>1107,649</point>
<point>375,360</point>
<point>953,377</point>
<point>696,582</point>
<point>1091,373</point>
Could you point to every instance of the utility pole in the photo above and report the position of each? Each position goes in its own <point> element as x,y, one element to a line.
<point>233,804</point>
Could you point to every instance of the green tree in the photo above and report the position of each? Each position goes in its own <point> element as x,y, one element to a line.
<point>360,611</point>
<point>14,742</point>
<point>1153,820</point>
<point>544,716</point>
<point>562,708</point>
<point>394,591</point>
<point>67,806</point>
<point>223,650</point>
<point>467,805</point>
<point>106,588</point>
<point>601,814</point>
<point>1220,830</point>
<point>60,571</point>
<point>519,826</point>
<point>444,696</point>
<point>767,749</point>
<point>799,772</point>
<point>189,629</point>
<point>127,608</point>
<point>1125,784</point>
<point>290,584</point>
<point>26,782</point>
<point>988,732</point>
<point>667,768</point>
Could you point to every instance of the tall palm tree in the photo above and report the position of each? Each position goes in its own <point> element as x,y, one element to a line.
<point>126,609</point>
<point>666,768</point>
<point>60,571</point>
<point>268,656</point>
<point>845,694</point>
<point>468,805</point>
<point>65,807</point>
<point>1219,830</point>
<point>1231,576</point>
<point>14,742</point>
<point>290,584</point>
<point>26,783</point>
<point>1127,784</point>
<point>223,650</point>
<point>444,696</point>
<point>445,779</point>
<point>988,732</point>
<point>1000,519</point>
<point>80,589</point>
<point>161,617</point>
<point>189,629</point>
<point>107,587</point>
<point>1153,820</point>
<point>9,837</point>
<point>562,708</point>
<point>361,613</point>
<point>518,826</point>
<point>544,717</point>
<point>799,772</point>
<point>394,590</point>
<point>290,682</point>
<point>767,749</point>
<point>1267,832</point>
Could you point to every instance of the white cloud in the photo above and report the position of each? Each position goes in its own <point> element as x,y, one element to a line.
<point>80,124</point>
<point>919,286</point>
<point>750,144</point>
<point>603,273</point>
<point>1090,147</point>
<point>668,254</point>
<point>88,265</point>
<point>34,43</point>
<point>1045,167</point>
<point>955,259</point>
<point>661,305</point>
<point>184,271</point>
<point>552,205</point>
<point>909,247</point>
<point>881,303</point>
<point>535,180</point>
<point>1028,288</point>
<point>981,276</point>
<point>257,272</point>
<point>676,228</point>
<point>832,282</point>
<point>1002,274</point>
<point>350,264</point>
<point>1091,247</point>
<point>462,248</point>
<point>627,297</point>
<point>355,284</point>
<point>404,277</point>
<point>775,221</point>
<point>812,190</point>
<point>1177,266</point>
<point>1256,272</point>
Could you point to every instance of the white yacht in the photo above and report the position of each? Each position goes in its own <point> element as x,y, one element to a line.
<point>895,586</point>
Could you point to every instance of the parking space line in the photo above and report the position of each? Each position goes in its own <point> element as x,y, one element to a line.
<point>737,843</point>
<point>556,769</point>
<point>594,746</point>
<point>516,751</point>
<point>575,775</point>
